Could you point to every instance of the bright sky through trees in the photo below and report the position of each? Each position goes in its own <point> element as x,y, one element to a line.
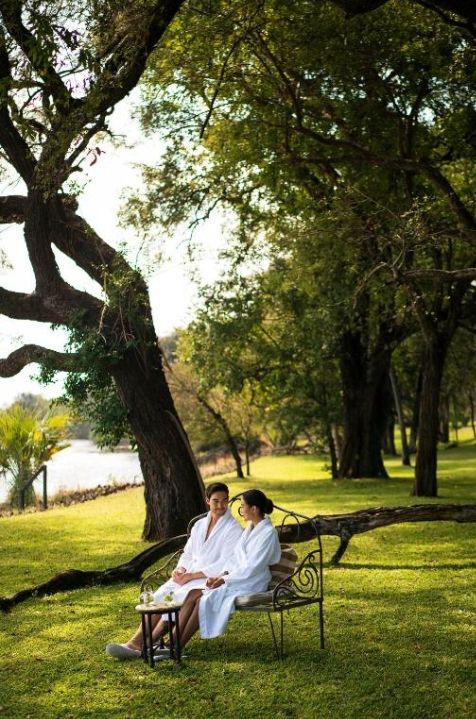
<point>172,291</point>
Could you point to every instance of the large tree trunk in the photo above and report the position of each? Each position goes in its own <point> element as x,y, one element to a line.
<point>174,491</point>
<point>471,407</point>
<point>426,459</point>
<point>332,452</point>
<point>117,334</point>
<point>365,411</point>
<point>444,420</point>
<point>388,440</point>
<point>337,440</point>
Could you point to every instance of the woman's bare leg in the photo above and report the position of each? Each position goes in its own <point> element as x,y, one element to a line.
<point>188,616</point>
<point>191,626</point>
<point>135,642</point>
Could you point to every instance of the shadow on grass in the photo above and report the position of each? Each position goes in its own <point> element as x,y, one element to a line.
<point>398,567</point>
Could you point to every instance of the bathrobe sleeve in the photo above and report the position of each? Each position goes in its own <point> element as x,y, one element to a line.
<point>263,551</point>
<point>206,556</point>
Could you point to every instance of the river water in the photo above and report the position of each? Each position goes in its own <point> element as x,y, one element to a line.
<point>83,466</point>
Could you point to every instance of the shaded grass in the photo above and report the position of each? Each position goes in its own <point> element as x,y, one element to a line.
<point>399,615</point>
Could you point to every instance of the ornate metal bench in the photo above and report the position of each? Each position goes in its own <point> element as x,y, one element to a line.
<point>293,584</point>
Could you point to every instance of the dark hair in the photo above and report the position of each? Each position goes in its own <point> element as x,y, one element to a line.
<point>216,487</point>
<point>257,498</point>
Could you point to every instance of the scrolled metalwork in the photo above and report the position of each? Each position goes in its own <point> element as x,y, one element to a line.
<point>303,586</point>
<point>155,579</point>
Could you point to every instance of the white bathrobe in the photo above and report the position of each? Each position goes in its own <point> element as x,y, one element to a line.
<point>204,555</point>
<point>248,573</point>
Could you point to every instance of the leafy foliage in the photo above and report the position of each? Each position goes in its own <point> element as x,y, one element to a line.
<point>91,394</point>
<point>344,149</point>
<point>27,441</point>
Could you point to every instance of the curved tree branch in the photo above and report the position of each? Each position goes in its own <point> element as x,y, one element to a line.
<point>20,358</point>
<point>22,306</point>
<point>466,220</point>
<point>126,64</point>
<point>78,240</point>
<point>35,51</point>
<point>15,147</point>
<point>55,308</point>
<point>119,75</point>
<point>130,571</point>
<point>12,143</point>
<point>463,8</point>
<point>468,273</point>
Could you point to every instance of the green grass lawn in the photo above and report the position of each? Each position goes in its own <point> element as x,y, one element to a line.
<point>399,615</point>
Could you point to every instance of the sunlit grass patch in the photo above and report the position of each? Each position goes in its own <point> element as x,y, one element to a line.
<point>398,615</point>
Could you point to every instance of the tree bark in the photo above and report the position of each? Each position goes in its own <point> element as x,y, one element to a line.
<point>401,423</point>
<point>120,341</point>
<point>426,458</point>
<point>343,526</point>
<point>332,452</point>
<point>471,406</point>
<point>416,414</point>
<point>173,488</point>
<point>247,457</point>
<point>388,440</point>
<point>444,423</point>
<point>337,438</point>
<point>365,414</point>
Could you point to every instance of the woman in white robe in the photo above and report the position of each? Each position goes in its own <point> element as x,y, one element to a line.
<point>246,571</point>
<point>211,542</point>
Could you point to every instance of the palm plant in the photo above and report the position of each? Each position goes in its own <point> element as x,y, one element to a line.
<point>27,441</point>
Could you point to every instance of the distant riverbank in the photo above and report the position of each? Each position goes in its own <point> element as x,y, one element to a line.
<point>83,466</point>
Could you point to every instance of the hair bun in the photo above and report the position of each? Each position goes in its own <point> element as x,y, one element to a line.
<point>257,498</point>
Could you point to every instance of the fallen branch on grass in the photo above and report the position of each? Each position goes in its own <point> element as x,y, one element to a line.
<point>343,526</point>
<point>130,571</point>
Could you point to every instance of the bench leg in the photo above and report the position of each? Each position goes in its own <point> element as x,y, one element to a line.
<point>321,624</point>
<point>278,645</point>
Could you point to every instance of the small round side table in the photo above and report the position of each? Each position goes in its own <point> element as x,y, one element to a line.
<point>146,612</point>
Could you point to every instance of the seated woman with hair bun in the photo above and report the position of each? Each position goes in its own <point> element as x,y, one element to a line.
<point>246,571</point>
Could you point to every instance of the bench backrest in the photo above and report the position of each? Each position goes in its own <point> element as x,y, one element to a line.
<point>287,518</point>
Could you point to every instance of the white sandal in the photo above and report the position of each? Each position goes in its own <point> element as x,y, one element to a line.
<point>122,651</point>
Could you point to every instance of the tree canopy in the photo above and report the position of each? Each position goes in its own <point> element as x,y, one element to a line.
<point>347,147</point>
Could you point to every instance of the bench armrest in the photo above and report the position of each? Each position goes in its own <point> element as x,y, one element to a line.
<point>155,579</point>
<point>303,586</point>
